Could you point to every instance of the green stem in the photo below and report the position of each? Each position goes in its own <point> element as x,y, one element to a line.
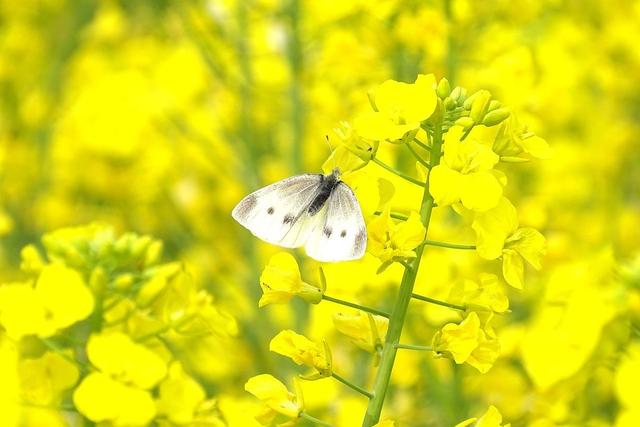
<point>53,346</point>
<point>438,302</point>
<point>396,321</point>
<point>418,157</point>
<point>422,144</point>
<point>314,420</point>
<point>415,347</point>
<point>352,385</point>
<point>356,306</point>
<point>447,245</point>
<point>397,172</point>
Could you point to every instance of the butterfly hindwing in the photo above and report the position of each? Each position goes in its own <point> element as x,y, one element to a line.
<point>277,213</point>
<point>342,234</point>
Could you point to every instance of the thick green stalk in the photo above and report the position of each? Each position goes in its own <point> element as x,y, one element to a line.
<point>396,322</point>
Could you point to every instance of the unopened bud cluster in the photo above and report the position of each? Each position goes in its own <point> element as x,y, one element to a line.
<point>469,110</point>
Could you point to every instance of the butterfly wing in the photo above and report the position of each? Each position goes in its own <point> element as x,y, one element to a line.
<point>277,213</point>
<point>342,236</point>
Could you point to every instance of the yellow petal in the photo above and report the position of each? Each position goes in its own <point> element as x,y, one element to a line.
<point>513,268</point>
<point>530,244</point>
<point>66,297</point>
<point>493,227</point>
<point>480,191</point>
<point>445,185</point>
<point>280,280</point>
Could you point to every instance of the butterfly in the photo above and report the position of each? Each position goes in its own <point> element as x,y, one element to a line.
<point>319,212</point>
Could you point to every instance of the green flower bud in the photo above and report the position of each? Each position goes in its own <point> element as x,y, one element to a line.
<point>469,101</point>
<point>480,105</point>
<point>310,293</point>
<point>494,105</point>
<point>495,117</point>
<point>98,279</point>
<point>123,281</point>
<point>154,251</point>
<point>444,88</point>
<point>465,122</point>
<point>459,94</point>
<point>449,104</point>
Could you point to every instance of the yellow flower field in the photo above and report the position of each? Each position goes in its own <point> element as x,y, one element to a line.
<point>494,151</point>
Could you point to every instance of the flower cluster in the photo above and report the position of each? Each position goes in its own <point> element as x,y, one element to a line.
<point>98,326</point>
<point>452,139</point>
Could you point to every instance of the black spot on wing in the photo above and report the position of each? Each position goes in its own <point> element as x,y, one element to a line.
<point>343,233</point>
<point>327,231</point>
<point>288,219</point>
<point>270,211</point>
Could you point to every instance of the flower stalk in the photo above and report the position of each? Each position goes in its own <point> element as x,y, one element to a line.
<point>396,321</point>
<point>356,306</point>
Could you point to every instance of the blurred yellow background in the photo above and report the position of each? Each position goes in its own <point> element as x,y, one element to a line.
<point>158,117</point>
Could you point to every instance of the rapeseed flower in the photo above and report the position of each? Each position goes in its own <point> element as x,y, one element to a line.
<point>59,299</point>
<point>399,108</point>
<point>365,330</point>
<point>390,241</point>
<point>276,398</point>
<point>302,351</point>
<point>466,173</point>
<point>498,235</point>
<point>280,281</point>
<point>467,342</point>
<point>491,418</point>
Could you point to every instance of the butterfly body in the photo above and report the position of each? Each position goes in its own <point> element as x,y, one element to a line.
<point>319,212</point>
<point>328,184</point>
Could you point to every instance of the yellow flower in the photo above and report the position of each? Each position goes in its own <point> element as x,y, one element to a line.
<point>498,235</point>
<point>467,342</point>
<point>302,351</point>
<point>491,418</point>
<point>59,299</point>
<point>466,173</point>
<point>179,396</point>
<point>487,294</point>
<point>365,330</point>
<point>117,355</point>
<point>65,296</point>
<point>400,108</point>
<point>275,396</point>
<point>353,153</point>
<point>101,398</point>
<point>280,281</point>
<point>513,140</point>
<point>44,379</point>
<point>390,241</point>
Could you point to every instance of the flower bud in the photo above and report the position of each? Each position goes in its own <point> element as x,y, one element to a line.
<point>459,94</point>
<point>480,105</point>
<point>495,117</point>
<point>465,122</point>
<point>444,88</point>
<point>494,105</point>
<point>449,104</point>
<point>98,279</point>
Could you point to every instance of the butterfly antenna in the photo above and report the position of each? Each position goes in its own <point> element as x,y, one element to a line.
<point>326,137</point>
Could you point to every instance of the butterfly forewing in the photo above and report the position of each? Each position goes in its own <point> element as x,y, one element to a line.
<point>343,235</point>
<point>277,213</point>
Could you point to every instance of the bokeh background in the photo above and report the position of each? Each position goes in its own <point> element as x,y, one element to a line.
<point>157,117</point>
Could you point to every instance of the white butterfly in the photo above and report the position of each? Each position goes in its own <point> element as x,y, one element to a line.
<point>316,211</point>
